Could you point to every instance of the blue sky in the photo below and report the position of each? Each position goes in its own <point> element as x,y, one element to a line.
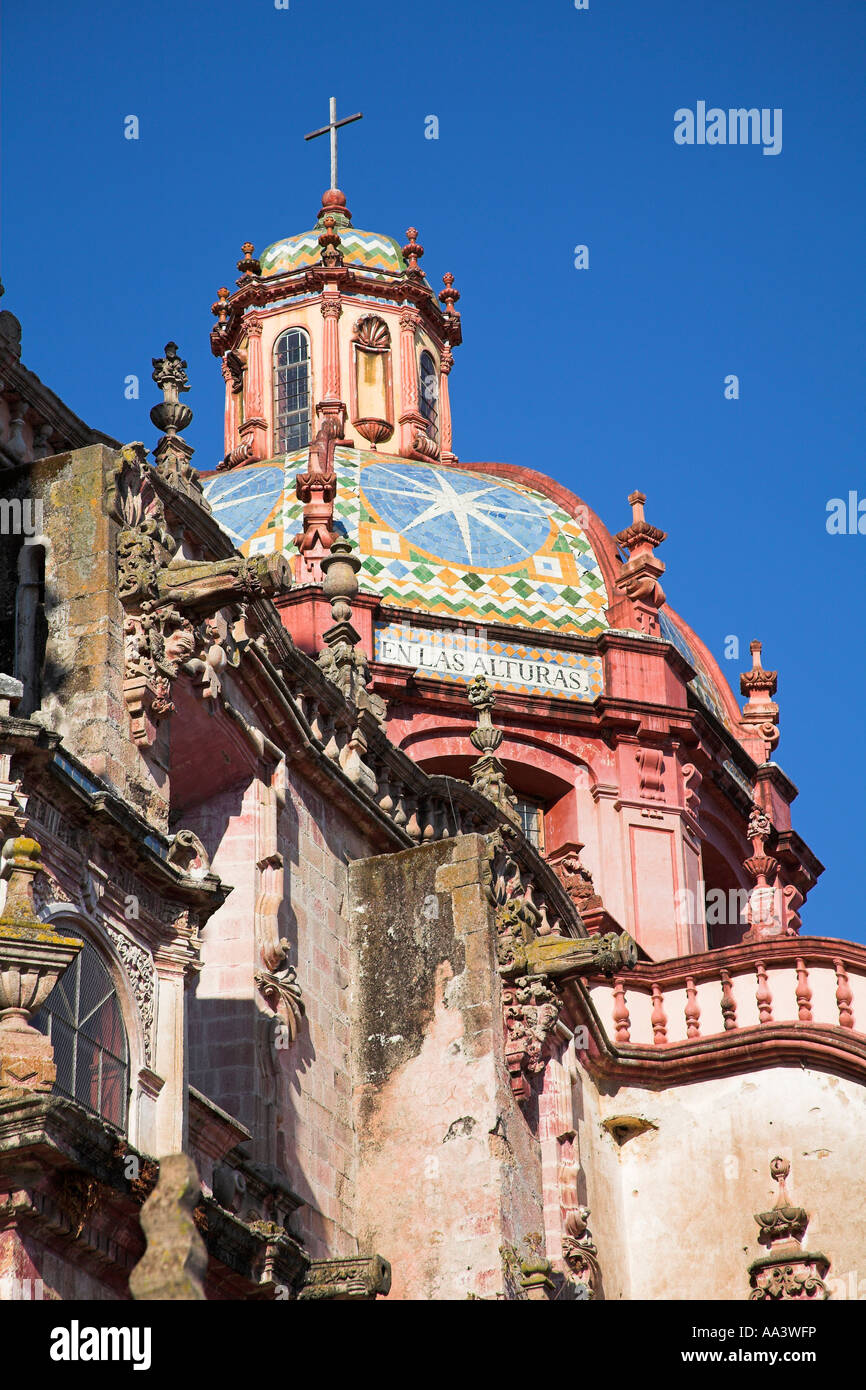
<point>555,129</point>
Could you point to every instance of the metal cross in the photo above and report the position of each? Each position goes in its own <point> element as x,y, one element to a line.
<point>333,126</point>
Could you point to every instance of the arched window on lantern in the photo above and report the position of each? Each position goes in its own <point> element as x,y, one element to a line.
<point>428,394</point>
<point>82,1018</point>
<point>292,426</point>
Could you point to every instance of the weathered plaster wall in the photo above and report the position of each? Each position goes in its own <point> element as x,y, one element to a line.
<point>449,1169</point>
<point>673,1208</point>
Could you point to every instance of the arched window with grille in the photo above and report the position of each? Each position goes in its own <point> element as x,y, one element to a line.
<point>291,391</point>
<point>428,394</point>
<point>82,1018</point>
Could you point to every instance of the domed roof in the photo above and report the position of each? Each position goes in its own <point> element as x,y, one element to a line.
<point>370,250</point>
<point>458,543</point>
<point>434,539</point>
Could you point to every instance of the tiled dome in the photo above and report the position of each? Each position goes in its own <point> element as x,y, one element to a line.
<point>369,250</point>
<point>433,539</point>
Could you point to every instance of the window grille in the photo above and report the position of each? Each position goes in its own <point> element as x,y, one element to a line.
<point>429,394</point>
<point>82,1018</point>
<point>291,391</point>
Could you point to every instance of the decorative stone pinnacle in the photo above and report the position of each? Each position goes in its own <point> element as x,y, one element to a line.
<point>787,1272</point>
<point>640,538</point>
<point>343,659</point>
<point>248,265</point>
<point>639,579</point>
<point>449,296</point>
<point>412,252</point>
<point>340,583</point>
<point>485,737</point>
<point>488,774</point>
<point>172,453</point>
<point>756,681</point>
<point>220,307</point>
<point>760,713</point>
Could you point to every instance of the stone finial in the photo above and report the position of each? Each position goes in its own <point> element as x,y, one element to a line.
<point>449,296</point>
<point>639,579</point>
<point>169,373</point>
<point>760,713</point>
<point>248,265</point>
<point>787,1272</point>
<point>343,659</point>
<point>762,911</point>
<point>220,308</point>
<point>488,773</point>
<point>173,454</point>
<point>412,253</point>
<point>486,737</point>
<point>174,1264</point>
<point>330,242</point>
<point>32,958</point>
<point>340,584</point>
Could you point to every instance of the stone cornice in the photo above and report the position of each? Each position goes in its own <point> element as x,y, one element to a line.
<point>310,283</point>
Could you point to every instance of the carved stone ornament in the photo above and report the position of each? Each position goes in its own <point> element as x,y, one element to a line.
<point>167,598</point>
<point>580,1252</point>
<point>532,959</point>
<point>788,1272</point>
<point>278,984</point>
<point>372,334</point>
<point>577,881</point>
<point>488,773</point>
<point>361,1277</point>
<point>138,966</point>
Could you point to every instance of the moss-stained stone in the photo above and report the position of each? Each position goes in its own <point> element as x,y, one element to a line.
<point>435,1115</point>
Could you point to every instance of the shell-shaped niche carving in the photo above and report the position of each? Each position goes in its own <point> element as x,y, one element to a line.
<point>372,333</point>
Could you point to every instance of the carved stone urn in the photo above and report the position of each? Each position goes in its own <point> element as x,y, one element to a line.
<point>32,958</point>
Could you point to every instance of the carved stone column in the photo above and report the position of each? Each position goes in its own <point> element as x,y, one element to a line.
<point>254,430</point>
<point>446,453</point>
<point>412,421</point>
<point>332,311</point>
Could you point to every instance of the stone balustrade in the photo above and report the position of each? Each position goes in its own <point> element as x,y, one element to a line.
<point>418,808</point>
<point>798,982</point>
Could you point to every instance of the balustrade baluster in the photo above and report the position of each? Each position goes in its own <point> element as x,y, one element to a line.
<point>659,1018</point>
<point>729,1003</point>
<point>763,995</point>
<point>804,993</point>
<point>692,1009</point>
<point>844,997</point>
<point>621,1020</point>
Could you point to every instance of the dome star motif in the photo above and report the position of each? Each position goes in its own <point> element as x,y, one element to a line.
<point>458,518</point>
